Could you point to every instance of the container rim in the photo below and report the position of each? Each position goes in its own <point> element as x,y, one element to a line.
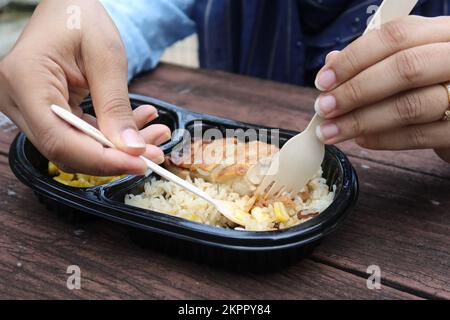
<point>93,201</point>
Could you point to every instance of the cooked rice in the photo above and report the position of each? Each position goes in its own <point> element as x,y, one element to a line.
<point>167,197</point>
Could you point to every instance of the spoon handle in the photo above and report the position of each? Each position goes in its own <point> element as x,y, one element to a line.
<point>174,178</point>
<point>389,11</point>
<point>99,137</point>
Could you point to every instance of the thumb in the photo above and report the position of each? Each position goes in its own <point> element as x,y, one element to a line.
<point>106,72</point>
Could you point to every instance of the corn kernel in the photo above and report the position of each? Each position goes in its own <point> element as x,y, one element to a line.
<point>78,180</point>
<point>281,214</point>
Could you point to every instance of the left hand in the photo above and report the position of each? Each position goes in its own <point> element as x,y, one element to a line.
<point>385,89</point>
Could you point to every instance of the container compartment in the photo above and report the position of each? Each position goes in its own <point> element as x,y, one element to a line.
<point>334,172</point>
<point>233,249</point>
<point>169,115</point>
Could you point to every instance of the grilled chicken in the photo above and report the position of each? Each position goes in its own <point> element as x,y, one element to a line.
<point>228,161</point>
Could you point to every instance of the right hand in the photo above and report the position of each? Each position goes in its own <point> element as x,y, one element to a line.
<point>54,64</point>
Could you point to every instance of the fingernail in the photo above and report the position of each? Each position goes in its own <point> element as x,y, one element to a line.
<point>329,55</point>
<point>132,139</point>
<point>325,105</point>
<point>154,111</point>
<point>327,131</point>
<point>154,114</point>
<point>166,136</point>
<point>160,159</point>
<point>325,80</point>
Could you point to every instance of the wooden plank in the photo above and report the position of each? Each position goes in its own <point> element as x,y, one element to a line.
<point>36,247</point>
<point>402,224</point>
<point>262,102</point>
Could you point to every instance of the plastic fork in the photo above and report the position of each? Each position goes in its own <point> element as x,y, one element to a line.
<point>301,157</point>
<point>226,208</point>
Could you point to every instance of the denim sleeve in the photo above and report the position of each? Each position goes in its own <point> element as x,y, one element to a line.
<point>148,27</point>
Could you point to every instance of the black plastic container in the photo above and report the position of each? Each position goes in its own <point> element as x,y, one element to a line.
<point>223,247</point>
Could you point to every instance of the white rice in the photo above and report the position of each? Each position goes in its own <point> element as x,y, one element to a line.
<point>167,197</point>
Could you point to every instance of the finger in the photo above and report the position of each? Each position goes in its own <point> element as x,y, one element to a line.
<point>90,119</point>
<point>85,116</point>
<point>62,143</point>
<point>154,153</point>
<point>74,103</point>
<point>393,37</point>
<point>77,95</point>
<point>76,111</point>
<point>107,77</point>
<point>76,150</point>
<point>419,106</point>
<point>156,134</point>
<point>432,135</point>
<point>409,69</point>
<point>331,55</point>
<point>58,141</point>
<point>326,77</point>
<point>100,161</point>
<point>65,168</point>
<point>144,114</point>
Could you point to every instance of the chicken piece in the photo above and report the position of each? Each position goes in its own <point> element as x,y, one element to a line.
<point>305,193</point>
<point>285,200</point>
<point>225,161</point>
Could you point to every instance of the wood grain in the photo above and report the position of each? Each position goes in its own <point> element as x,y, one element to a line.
<point>400,223</point>
<point>36,247</point>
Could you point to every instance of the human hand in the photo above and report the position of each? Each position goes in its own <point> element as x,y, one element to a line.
<point>385,89</point>
<point>54,64</point>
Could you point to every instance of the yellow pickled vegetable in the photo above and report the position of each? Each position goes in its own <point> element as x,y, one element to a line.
<point>78,180</point>
<point>52,169</point>
<point>66,176</point>
<point>281,214</point>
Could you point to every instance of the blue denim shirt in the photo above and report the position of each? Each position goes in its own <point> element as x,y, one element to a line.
<point>284,40</point>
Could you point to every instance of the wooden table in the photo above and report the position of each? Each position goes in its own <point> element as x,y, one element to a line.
<point>401,222</point>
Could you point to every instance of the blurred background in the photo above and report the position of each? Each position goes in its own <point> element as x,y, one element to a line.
<point>14,15</point>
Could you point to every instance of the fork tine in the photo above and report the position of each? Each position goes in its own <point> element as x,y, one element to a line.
<point>274,189</point>
<point>279,193</point>
<point>267,182</point>
<point>268,193</point>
